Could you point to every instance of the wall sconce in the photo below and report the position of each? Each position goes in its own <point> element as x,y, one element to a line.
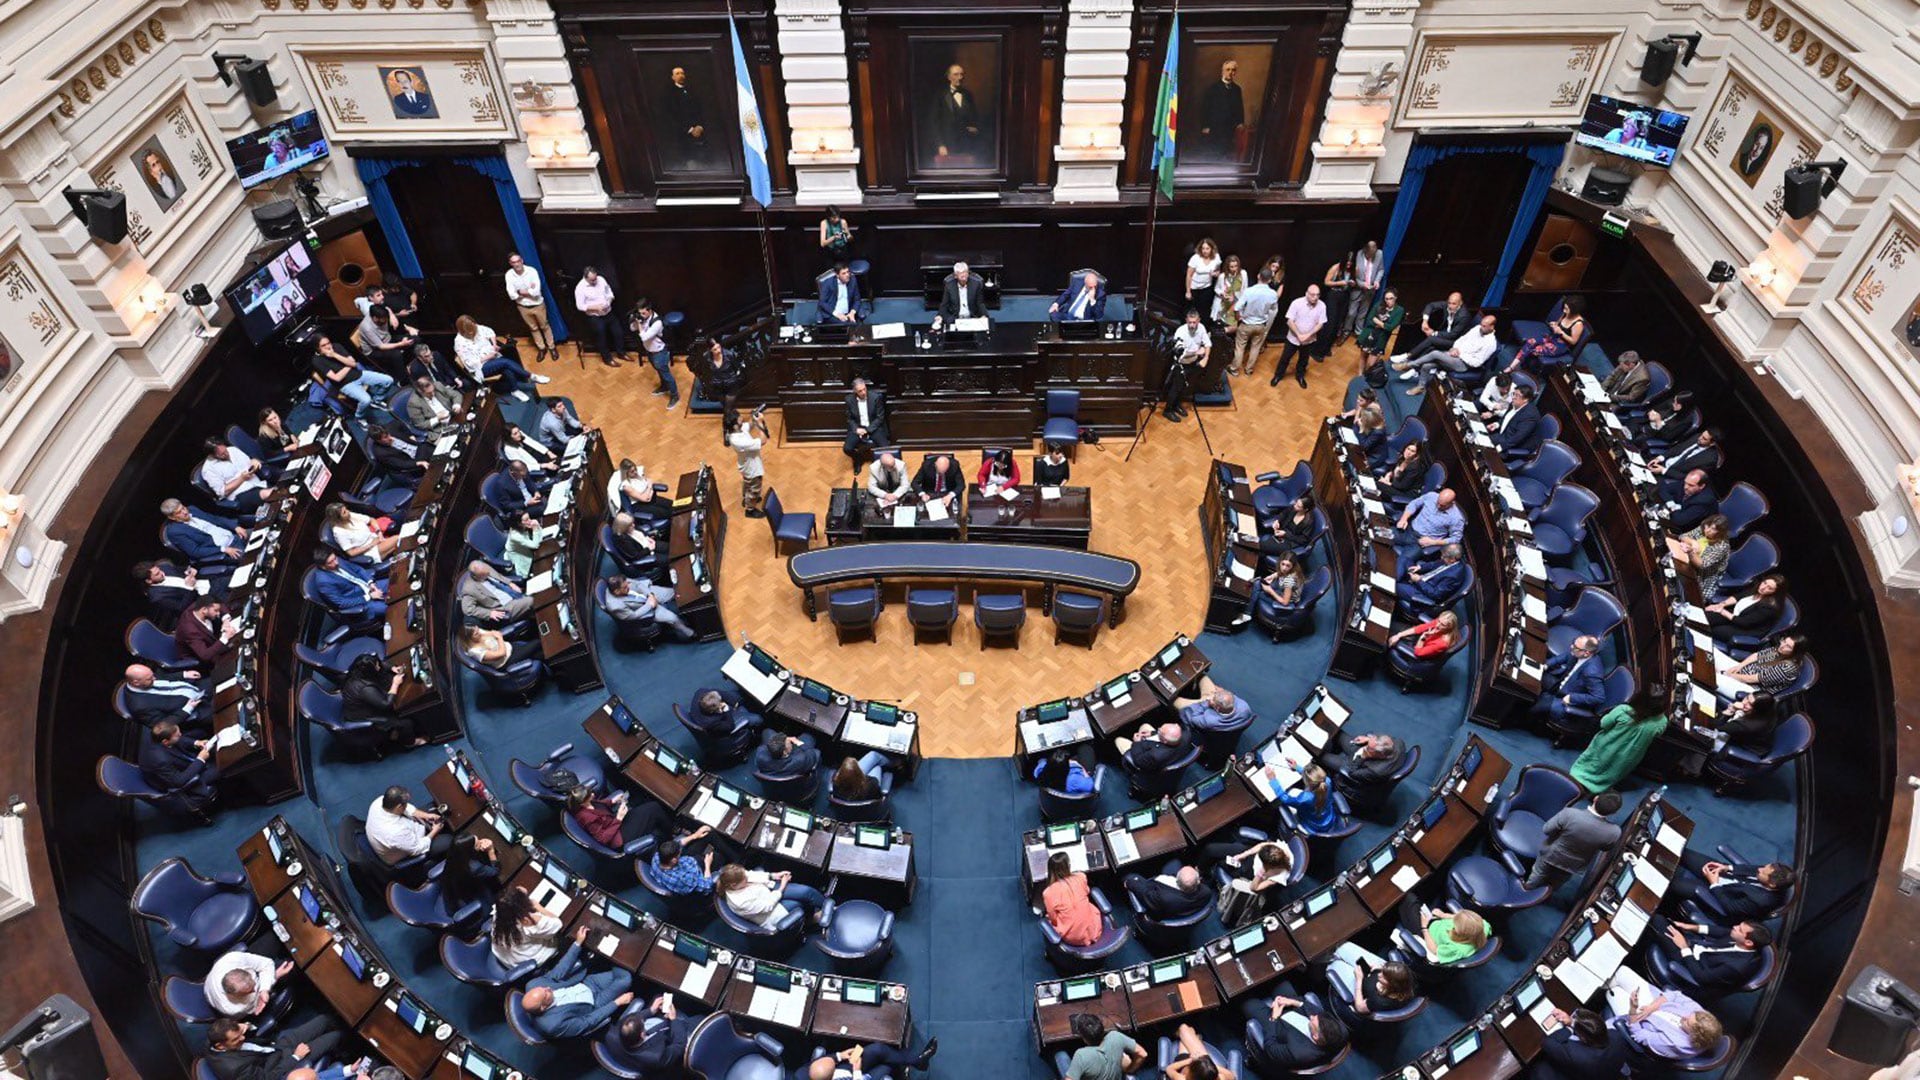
<point>1762,272</point>
<point>12,507</point>
<point>528,94</point>
<point>154,299</point>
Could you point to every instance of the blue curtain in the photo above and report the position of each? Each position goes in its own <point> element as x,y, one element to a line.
<point>373,173</point>
<point>1413,177</point>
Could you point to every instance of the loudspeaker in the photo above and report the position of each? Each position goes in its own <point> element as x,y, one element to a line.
<point>104,212</point>
<point>1801,192</point>
<point>57,1043</point>
<point>279,219</point>
<point>1658,66</point>
<point>1877,1014</point>
<point>257,82</point>
<point>1606,187</point>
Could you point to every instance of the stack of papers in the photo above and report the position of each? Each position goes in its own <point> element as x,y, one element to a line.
<point>786,1008</point>
<point>1534,608</point>
<point>443,444</point>
<point>540,582</point>
<point>936,510</point>
<point>698,978</point>
<point>1405,878</point>
<point>1580,982</point>
<point>903,516</point>
<point>1121,844</point>
<point>1049,493</point>
<point>708,810</point>
<point>1628,922</point>
<point>1531,562</point>
<point>1334,711</point>
<point>1010,494</point>
<point>1379,617</point>
<point>1670,838</point>
<point>227,736</point>
<point>887,331</point>
<point>1383,582</point>
<point>1240,570</point>
<point>1651,876</point>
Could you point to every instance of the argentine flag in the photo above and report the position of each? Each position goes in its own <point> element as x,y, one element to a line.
<point>753,136</point>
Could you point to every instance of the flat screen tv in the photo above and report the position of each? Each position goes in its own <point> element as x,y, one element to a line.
<point>277,149</point>
<point>270,297</point>
<point>1639,132</point>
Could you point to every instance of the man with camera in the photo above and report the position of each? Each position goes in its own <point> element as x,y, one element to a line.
<point>749,435</point>
<point>1191,344</point>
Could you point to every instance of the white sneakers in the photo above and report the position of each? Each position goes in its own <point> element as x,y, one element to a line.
<point>540,378</point>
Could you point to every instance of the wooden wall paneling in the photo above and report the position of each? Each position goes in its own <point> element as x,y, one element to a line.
<point>1143,97</point>
<point>587,85</point>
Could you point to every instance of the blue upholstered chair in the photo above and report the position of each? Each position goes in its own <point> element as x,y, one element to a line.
<point>1743,506</point>
<point>1421,612</point>
<point>1265,1068</point>
<point>186,1001</point>
<point>341,624</point>
<point>1277,492</point>
<point>323,707</point>
<point>1741,645</point>
<point>856,934</point>
<point>486,542</point>
<point>683,910</point>
<point>154,647</point>
<point>1659,385</point>
<point>789,529</point>
<point>1560,527</point>
<point>1644,1064</point>
<point>426,906</point>
<point>1063,421</point>
<point>1078,615</point>
<point>123,779</point>
<point>1081,957</point>
<point>1165,932</point>
<point>716,1051</point>
<point>1486,886</point>
<point>1411,430</point>
<point>1518,820</point>
<point>638,847</point>
<point>643,569</point>
<point>515,680</point>
<point>208,914</point>
<point>718,751</point>
<point>1408,951</point>
<point>1284,622</point>
<point>493,492</point>
<point>1293,841</point>
<point>1057,805</point>
<point>629,635</point>
<point>333,661</point>
<point>371,873</point>
<point>611,1054</point>
<point>1536,480</point>
<point>1169,1052</point>
<point>1161,782</point>
<point>1733,766</point>
<point>780,937</point>
<point>933,611</point>
<point>520,1023</point>
<point>1594,612</point>
<point>1757,555</point>
<point>1412,671</point>
<point>999,614</point>
<point>471,960</point>
<point>588,769</point>
<point>1665,972</point>
<point>855,612</point>
<point>1340,1003</point>
<point>874,809</point>
<point>1344,825</point>
<point>795,791</point>
<point>1616,688</point>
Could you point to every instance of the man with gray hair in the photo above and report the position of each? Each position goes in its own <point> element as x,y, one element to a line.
<point>1572,682</point>
<point>1363,770</point>
<point>1216,709</point>
<point>887,480</point>
<point>866,422</point>
<point>1426,587</point>
<point>489,599</point>
<point>1178,892</point>
<point>240,983</point>
<point>963,297</point>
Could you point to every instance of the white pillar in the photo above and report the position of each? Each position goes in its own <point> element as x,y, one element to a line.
<point>1092,101</point>
<point>813,63</point>
<point>533,59</point>
<point>1378,38</point>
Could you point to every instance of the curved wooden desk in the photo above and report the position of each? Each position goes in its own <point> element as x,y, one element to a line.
<point>1050,567</point>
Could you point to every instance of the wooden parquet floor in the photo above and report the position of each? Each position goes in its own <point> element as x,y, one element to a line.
<point>1146,510</point>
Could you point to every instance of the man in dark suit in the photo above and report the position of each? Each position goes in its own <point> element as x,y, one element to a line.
<point>412,98</point>
<point>347,588</point>
<point>1715,959</point>
<point>1572,681</point>
<point>1085,302</point>
<point>839,297</point>
<point>205,632</point>
<point>1518,433</point>
<point>150,699</point>
<point>940,478</point>
<point>963,297</point>
<point>785,757</point>
<point>689,116</point>
<point>206,540</point>
<point>550,1000</point>
<point>955,120</point>
<point>1173,895</point>
<point>1703,454</point>
<point>1294,1034</point>
<point>1696,502</point>
<point>1742,890</point>
<point>657,1038</point>
<point>170,590</point>
<point>1153,750</point>
<point>172,762</point>
<point>1572,837</point>
<point>1223,112</point>
<point>520,494</point>
<point>866,420</point>
<point>718,715</point>
<point>398,463</point>
<point>1363,770</point>
<point>1583,1047</point>
<point>1442,322</point>
<point>1427,586</point>
<point>232,1056</point>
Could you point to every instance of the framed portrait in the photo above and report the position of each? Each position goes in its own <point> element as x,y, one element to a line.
<point>408,92</point>
<point>9,361</point>
<point>954,94</point>
<point>690,107</point>
<point>1223,90</point>
<point>1909,332</point>
<point>156,170</point>
<point>1756,149</point>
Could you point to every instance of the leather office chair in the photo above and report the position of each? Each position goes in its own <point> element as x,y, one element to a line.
<point>517,680</point>
<point>1277,492</point>
<point>1265,1068</point>
<point>789,529</point>
<point>488,543</point>
<point>372,874</point>
<point>1160,782</point>
<point>1217,744</point>
<point>1742,645</point>
<point>1162,933</point>
<point>612,1055</point>
<point>340,624</point>
<point>1616,688</point>
<point>1057,805</point>
<point>1565,582</point>
<point>933,611</point>
<point>1659,385</point>
<point>471,960</point>
<point>1305,549</point>
<point>1168,1052</point>
<point>1063,421</point>
<point>1411,430</point>
<point>123,779</point>
<point>586,768</point>
<point>999,614</point>
<point>1486,886</point>
<point>398,405</point>
<point>638,847</point>
<point>493,492</point>
<point>1411,671</point>
<point>855,611</point>
<point>781,937</point>
<point>1282,623</point>
<point>1662,971</point>
<point>1735,766</point>
<point>155,648</point>
<point>629,635</point>
<point>1069,958</point>
<point>1706,906</point>
<point>425,906</point>
<point>1410,953</point>
<point>874,809</point>
<point>856,934</point>
<point>1686,431</point>
<point>795,791</point>
<point>1078,615</point>
<point>1594,612</point>
<point>205,913</point>
<point>1744,505</point>
<point>1536,481</point>
<point>1560,527</point>
<point>1517,822</point>
<point>520,1023</point>
<point>717,1051</point>
<point>1756,556</point>
<point>332,662</point>
<point>718,751</point>
<point>1294,842</point>
<point>323,708</point>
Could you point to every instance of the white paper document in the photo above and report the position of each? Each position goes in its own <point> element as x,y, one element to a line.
<point>1651,876</point>
<point>1049,493</point>
<point>227,736</point>
<point>887,331</point>
<point>709,810</point>
<point>1335,712</point>
<point>1580,982</point>
<point>1670,838</point>
<point>1534,608</point>
<point>1604,956</point>
<point>1375,508</point>
<point>1379,616</point>
<point>936,510</point>
<point>697,979</point>
<point>1405,878</point>
<point>240,577</point>
<point>976,325</point>
<point>1122,845</point>
<point>540,582</point>
<point>1628,922</point>
<point>1695,615</point>
<point>1531,670</point>
<point>1703,699</point>
<point>783,1007</point>
<point>1240,570</point>
<point>1531,562</point>
<point>903,516</point>
<point>1011,494</point>
<point>607,945</point>
<point>1383,582</point>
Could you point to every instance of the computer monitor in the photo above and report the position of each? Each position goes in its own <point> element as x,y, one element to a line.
<point>309,902</point>
<point>1166,971</point>
<point>1581,938</point>
<point>861,992</point>
<point>873,836</point>
<point>772,976</point>
<point>276,291</point>
<point>1058,835</point>
<point>557,874</point>
<point>1249,938</point>
<point>1463,1048</point>
<point>278,149</point>
<point>623,719</point>
<point>410,1012</point>
<point>1082,989</point>
<point>274,849</point>
<point>1115,689</point>
<point>505,827</point>
<point>477,1064</point>
<point>1169,654</point>
<point>796,819</point>
<point>881,713</point>
<point>1631,130</point>
<point>1529,992</point>
<point>727,793</point>
<point>1623,881</point>
<point>815,692</point>
<point>1208,788</point>
<point>1079,329</point>
<point>762,660</point>
<point>621,915</point>
<point>1470,760</point>
<point>1142,818</point>
<point>664,757</point>
<point>1321,901</point>
<point>1380,860</point>
<point>1432,813</point>
<point>691,948</point>
<point>1053,710</point>
<point>356,963</point>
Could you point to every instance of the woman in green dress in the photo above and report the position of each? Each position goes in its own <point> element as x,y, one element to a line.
<point>1378,327</point>
<point>1626,731</point>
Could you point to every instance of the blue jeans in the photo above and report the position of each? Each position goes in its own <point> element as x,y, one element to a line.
<point>796,896</point>
<point>369,385</point>
<point>663,363</point>
<point>518,378</point>
<point>874,764</point>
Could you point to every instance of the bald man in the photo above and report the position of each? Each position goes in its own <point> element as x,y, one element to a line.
<point>1176,893</point>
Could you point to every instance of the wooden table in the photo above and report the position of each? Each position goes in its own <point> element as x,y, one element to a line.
<point>662,772</point>
<point>305,938</point>
<point>1035,737</point>
<point>774,826</point>
<point>414,1053</point>
<point>1320,933</point>
<point>668,969</point>
<point>352,998</point>
<point>887,1020</point>
<point>1194,991</point>
<point>1053,1013</point>
<point>1252,956</point>
<point>741,814</point>
<point>267,876</point>
<point>465,1059</point>
<point>1151,842</point>
<point>742,988</point>
<point>889,869</point>
<point>900,740</point>
<point>1231,802</point>
<point>822,717</point>
<point>1178,665</point>
<point>618,744</point>
<point>1377,888</point>
<point>1037,850</point>
<point>1030,518</point>
<point>1122,704</point>
<point>628,941</point>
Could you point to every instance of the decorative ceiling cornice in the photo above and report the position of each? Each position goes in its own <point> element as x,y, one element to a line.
<point>109,67</point>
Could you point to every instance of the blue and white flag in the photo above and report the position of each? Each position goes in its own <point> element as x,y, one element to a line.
<point>753,136</point>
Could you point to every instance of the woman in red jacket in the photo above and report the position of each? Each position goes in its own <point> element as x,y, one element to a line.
<point>998,470</point>
<point>606,819</point>
<point>1431,638</point>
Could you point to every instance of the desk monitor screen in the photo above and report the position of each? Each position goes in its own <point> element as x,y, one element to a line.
<point>410,1012</point>
<point>1115,689</point>
<point>1166,971</point>
<point>621,915</point>
<point>1656,818</point>
<point>355,963</point>
<point>623,719</point>
<point>1470,760</point>
<point>1433,812</point>
<point>667,759</point>
<point>762,660</point>
<point>1581,938</point>
<point>796,819</point>
<point>862,993</point>
<point>691,948</point>
<point>1250,938</point>
<point>273,848</point>
<point>1169,654</point>
<point>1079,329</point>
<point>881,713</point>
<point>727,793</point>
<point>309,902</point>
<point>557,874</point>
<point>1321,901</point>
<point>1380,860</point>
<point>1463,1048</point>
<point>1059,835</point>
<point>1208,788</point>
<point>476,1064</point>
<point>1623,881</point>
<point>814,691</point>
<point>1142,818</point>
<point>505,827</point>
<point>1053,710</point>
<point>1529,992</point>
<point>460,774</point>
<point>1082,989</point>
<point>873,836</point>
<point>773,977</point>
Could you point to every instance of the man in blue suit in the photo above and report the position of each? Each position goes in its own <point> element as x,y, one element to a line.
<point>1086,302</point>
<point>205,539</point>
<point>1518,433</point>
<point>785,757</point>
<point>348,588</point>
<point>1572,681</point>
<point>839,297</point>
<point>719,716</point>
<point>567,1003</point>
<point>657,1037</point>
<point>1427,587</point>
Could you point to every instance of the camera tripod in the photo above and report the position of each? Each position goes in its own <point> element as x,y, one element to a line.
<point>1155,407</point>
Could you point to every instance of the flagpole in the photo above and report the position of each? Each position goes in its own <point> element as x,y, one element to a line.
<point>1153,193</point>
<point>759,211</point>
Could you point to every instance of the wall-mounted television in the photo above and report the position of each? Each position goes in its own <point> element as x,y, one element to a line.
<point>272,295</point>
<point>1639,132</point>
<point>277,149</point>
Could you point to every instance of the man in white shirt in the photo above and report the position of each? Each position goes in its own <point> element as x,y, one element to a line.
<point>1305,318</point>
<point>1191,344</point>
<point>653,341</point>
<point>1470,352</point>
<point>748,436</point>
<point>397,831</point>
<point>530,297</point>
<point>240,983</point>
<point>234,477</point>
<point>594,297</point>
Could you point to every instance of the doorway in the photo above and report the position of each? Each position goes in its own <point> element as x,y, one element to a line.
<point>460,235</point>
<point>1458,228</point>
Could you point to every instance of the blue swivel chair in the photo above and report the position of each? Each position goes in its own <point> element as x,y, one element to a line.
<point>586,768</point>
<point>342,625</point>
<point>1666,973</point>
<point>612,1055</point>
<point>1537,479</point>
<point>1560,527</point>
<point>1294,842</point>
<point>1742,645</point>
<point>1757,555</point>
<point>1217,744</point>
<point>333,661</point>
<point>323,708</point>
<point>1743,506</point>
<point>516,680</point>
<point>855,612</point>
<point>1421,612</point>
<point>1412,671</point>
<point>1644,1064</point>
<point>1263,1067</point>
<point>999,615</point>
<point>471,960</point>
<point>123,779</point>
<point>1517,822</point>
<point>1735,766</point>
<point>426,906</point>
<point>1057,805</point>
<point>186,1001</point>
<point>789,530</point>
<point>717,1051</point>
<point>155,648</point>
<point>208,914</point>
<point>629,635</point>
<point>643,569</point>
<point>1616,688</point>
<point>1160,782</point>
<point>933,611</point>
<point>856,934</point>
<point>638,847</point>
<point>1165,932</point>
<point>1408,951</point>
<point>683,910</point>
<point>717,751</point>
<point>874,809</point>
<point>371,873</point>
<point>1063,421</point>
<point>1706,904</point>
<point>782,936</point>
<point>1078,615</point>
<point>398,405</point>
<point>520,1023</point>
<point>493,492</point>
<point>1340,1003</point>
<point>1345,824</point>
<point>1659,385</point>
<point>1277,492</point>
<point>1290,622</point>
<point>1169,1051</point>
<point>797,791</point>
<point>1081,957</point>
<point>488,543</point>
<point>1486,886</point>
<point>1411,430</point>
<point>1594,612</point>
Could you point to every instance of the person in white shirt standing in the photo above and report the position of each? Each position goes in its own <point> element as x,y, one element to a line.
<point>1191,344</point>
<point>1305,319</point>
<point>653,341</point>
<point>1202,266</point>
<point>594,297</point>
<point>749,435</point>
<point>1469,353</point>
<point>530,297</point>
<point>1256,308</point>
<point>398,831</point>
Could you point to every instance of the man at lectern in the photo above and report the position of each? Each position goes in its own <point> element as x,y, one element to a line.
<point>963,298</point>
<point>1085,302</point>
